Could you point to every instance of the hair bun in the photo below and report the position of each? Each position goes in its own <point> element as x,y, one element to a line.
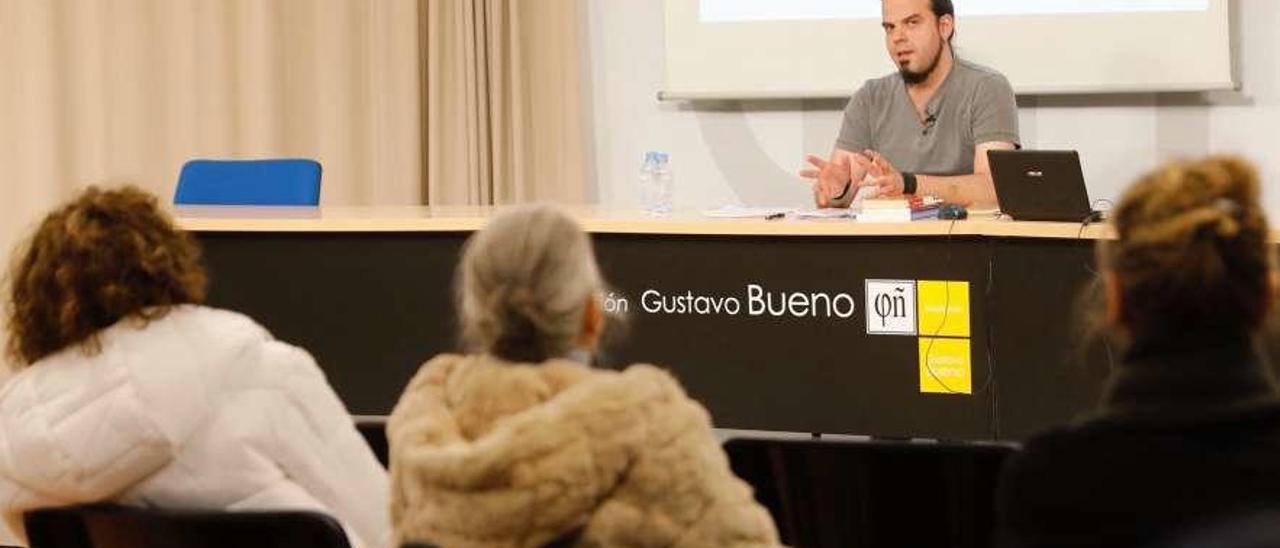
<point>523,283</point>
<point>1228,229</point>
<point>1228,223</point>
<point>520,300</point>
<point>1192,252</point>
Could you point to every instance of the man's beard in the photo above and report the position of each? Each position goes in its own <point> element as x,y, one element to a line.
<point>913,77</point>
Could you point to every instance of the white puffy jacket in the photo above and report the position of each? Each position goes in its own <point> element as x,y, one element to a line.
<point>199,409</point>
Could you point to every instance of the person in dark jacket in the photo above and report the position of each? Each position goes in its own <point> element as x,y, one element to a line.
<point>1188,429</point>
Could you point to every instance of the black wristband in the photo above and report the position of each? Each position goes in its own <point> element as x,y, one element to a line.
<point>909,183</point>
<point>844,192</point>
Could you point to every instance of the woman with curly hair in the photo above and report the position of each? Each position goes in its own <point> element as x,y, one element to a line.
<point>131,391</point>
<point>1188,429</point>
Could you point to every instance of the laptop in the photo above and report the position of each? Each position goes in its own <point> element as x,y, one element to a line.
<point>1041,185</point>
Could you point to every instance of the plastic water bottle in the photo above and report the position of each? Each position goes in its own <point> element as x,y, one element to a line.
<point>656,183</point>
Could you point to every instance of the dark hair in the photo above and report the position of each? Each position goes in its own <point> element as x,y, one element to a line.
<point>105,256</point>
<point>941,8</point>
<point>1192,253</point>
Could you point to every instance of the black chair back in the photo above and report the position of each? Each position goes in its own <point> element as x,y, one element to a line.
<point>113,526</point>
<point>374,431</point>
<point>873,494</point>
<point>568,540</point>
<point>1246,529</point>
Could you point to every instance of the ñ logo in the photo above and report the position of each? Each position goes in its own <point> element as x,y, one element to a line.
<point>891,307</point>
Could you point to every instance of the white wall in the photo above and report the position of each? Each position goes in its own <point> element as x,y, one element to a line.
<point>748,152</point>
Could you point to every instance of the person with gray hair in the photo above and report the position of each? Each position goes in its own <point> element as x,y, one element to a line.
<point>528,287</point>
<point>520,443</point>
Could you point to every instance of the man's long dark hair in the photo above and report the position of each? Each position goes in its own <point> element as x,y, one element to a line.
<point>944,7</point>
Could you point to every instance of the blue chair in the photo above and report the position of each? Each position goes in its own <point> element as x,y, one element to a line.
<point>283,182</point>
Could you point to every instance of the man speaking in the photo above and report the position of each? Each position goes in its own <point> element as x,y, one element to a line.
<point>925,130</point>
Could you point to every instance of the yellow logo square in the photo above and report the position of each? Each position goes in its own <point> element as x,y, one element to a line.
<point>943,308</point>
<point>945,366</point>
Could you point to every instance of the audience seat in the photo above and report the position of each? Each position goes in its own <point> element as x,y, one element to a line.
<point>873,494</point>
<point>114,526</point>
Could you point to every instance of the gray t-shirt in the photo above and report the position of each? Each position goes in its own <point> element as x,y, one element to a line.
<point>974,105</point>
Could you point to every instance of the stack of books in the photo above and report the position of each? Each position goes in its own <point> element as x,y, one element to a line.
<point>899,210</point>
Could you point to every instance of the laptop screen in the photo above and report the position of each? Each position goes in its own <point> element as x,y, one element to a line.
<point>1040,185</point>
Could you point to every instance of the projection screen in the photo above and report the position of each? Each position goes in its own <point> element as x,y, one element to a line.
<point>827,48</point>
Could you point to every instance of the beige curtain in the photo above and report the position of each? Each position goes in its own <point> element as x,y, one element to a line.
<point>504,101</point>
<point>96,91</point>
<point>114,91</point>
<point>111,91</point>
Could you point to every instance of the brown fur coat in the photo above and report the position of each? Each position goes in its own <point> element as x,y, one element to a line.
<point>491,454</point>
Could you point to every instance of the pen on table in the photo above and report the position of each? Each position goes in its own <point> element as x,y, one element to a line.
<point>775,216</point>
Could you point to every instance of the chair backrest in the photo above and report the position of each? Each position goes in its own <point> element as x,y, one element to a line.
<point>855,494</point>
<point>567,540</point>
<point>374,431</point>
<point>281,182</point>
<point>1245,529</point>
<point>113,526</point>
